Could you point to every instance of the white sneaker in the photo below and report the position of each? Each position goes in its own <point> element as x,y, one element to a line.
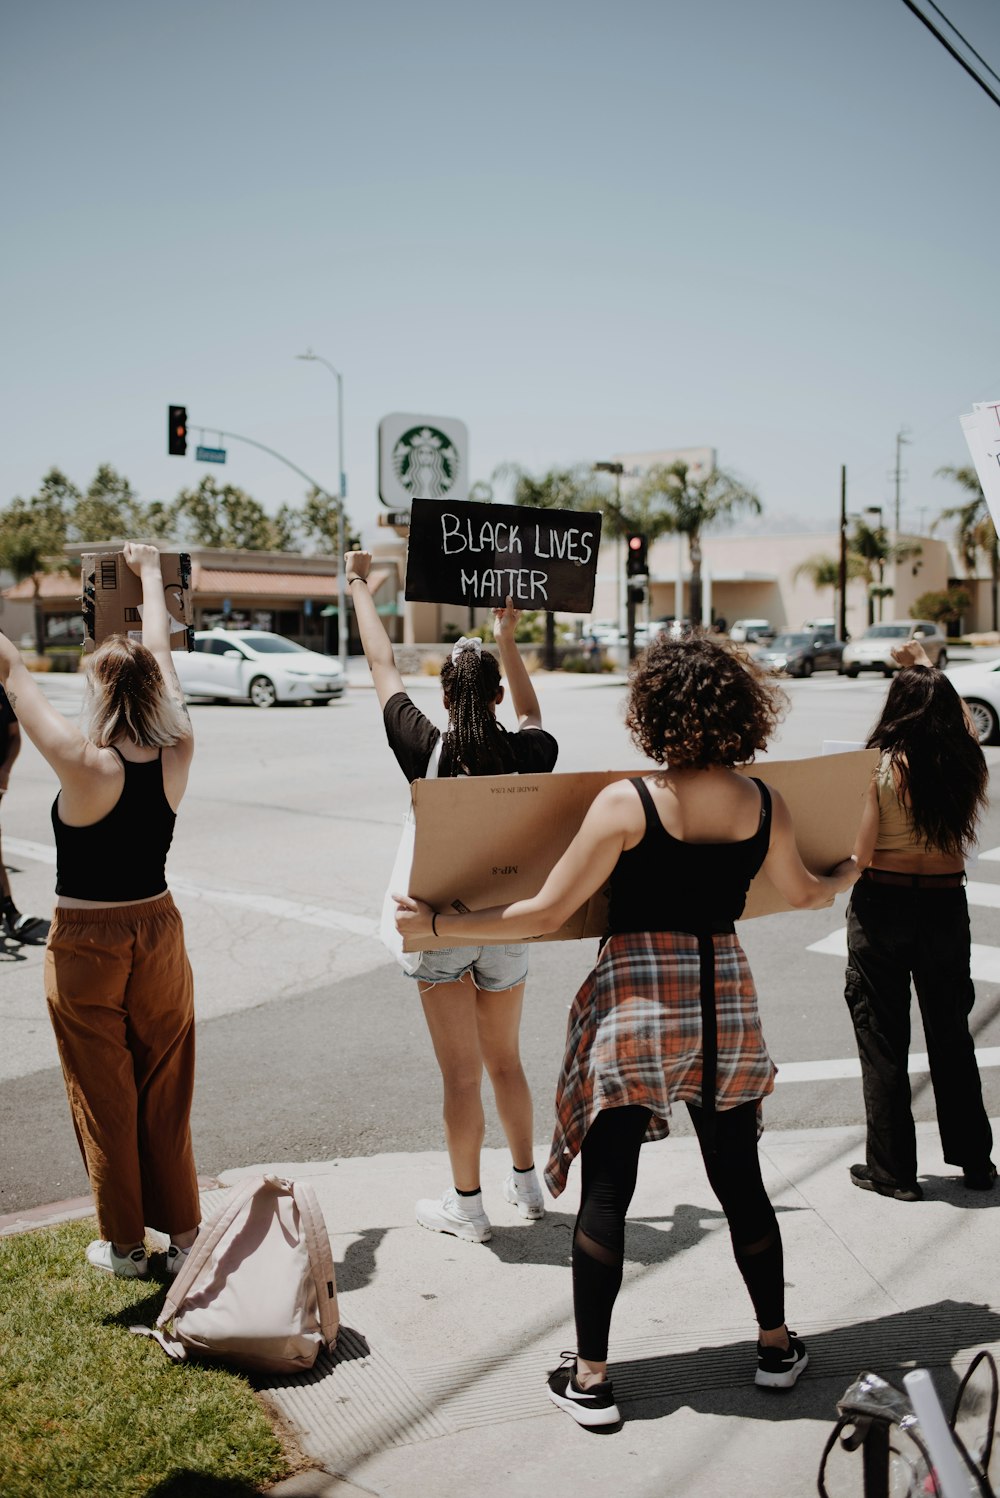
<point>462,1216</point>
<point>176,1259</point>
<point>133,1266</point>
<point>522,1190</point>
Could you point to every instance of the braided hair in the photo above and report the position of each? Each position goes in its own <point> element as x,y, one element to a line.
<point>474,742</point>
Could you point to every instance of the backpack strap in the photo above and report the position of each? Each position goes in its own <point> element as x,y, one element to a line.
<point>201,1249</point>
<point>320,1259</point>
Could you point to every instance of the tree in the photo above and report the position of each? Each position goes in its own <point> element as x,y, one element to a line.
<point>556,489</point>
<point>943,608</point>
<point>669,501</point>
<point>110,509</point>
<point>975,531</point>
<point>214,515</point>
<point>33,539</point>
<point>824,572</point>
<point>870,544</point>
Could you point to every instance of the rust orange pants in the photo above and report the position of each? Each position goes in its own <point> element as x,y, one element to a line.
<point>121,1000</point>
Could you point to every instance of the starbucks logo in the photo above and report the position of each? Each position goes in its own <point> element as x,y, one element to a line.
<point>426,463</point>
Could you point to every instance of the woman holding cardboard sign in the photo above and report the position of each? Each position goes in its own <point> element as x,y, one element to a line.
<point>670,1012</point>
<point>117,977</point>
<point>471,995</point>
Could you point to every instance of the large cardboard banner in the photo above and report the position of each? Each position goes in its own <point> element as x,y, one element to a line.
<point>982,432</point>
<point>489,839</point>
<point>477,554</point>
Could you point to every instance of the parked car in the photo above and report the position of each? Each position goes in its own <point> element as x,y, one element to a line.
<point>801,654</point>
<point>978,685</point>
<point>825,627</point>
<point>872,652</point>
<point>752,631</point>
<point>256,665</point>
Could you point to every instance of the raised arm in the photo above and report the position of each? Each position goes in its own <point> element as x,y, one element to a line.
<point>374,640</point>
<point>145,563</point>
<point>522,693</point>
<point>789,875</point>
<point>614,815</point>
<point>54,736</point>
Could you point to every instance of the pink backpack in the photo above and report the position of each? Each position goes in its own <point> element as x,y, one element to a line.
<point>258,1288</point>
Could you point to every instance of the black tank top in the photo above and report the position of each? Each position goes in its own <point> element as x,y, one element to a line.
<point>663,884</point>
<point>124,855</point>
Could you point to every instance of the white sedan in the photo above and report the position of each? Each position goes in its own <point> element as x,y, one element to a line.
<point>256,665</point>
<point>979,685</point>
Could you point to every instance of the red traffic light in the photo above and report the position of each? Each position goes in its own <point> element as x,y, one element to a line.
<point>635,543</point>
<point>177,431</point>
<point>636,563</point>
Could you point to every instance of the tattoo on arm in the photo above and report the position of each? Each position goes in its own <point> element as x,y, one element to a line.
<point>12,698</point>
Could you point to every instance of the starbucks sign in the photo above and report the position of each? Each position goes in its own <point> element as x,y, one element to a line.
<point>422,457</point>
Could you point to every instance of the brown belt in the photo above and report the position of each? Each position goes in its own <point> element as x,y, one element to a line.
<point>915,881</point>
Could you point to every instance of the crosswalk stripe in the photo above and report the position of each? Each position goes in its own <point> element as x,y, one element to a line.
<point>985,963</point>
<point>289,910</point>
<point>830,1071</point>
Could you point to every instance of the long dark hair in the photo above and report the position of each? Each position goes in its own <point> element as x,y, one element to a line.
<point>940,768</point>
<point>474,743</point>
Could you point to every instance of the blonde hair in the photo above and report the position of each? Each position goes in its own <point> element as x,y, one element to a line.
<point>126,696</point>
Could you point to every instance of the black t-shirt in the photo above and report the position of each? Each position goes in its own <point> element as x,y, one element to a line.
<point>7,717</point>
<point>412,737</point>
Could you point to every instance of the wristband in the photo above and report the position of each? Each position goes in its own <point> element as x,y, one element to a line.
<point>356,579</point>
<point>434,928</point>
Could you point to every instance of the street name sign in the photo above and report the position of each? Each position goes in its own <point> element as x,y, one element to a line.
<point>478,554</point>
<point>210,454</point>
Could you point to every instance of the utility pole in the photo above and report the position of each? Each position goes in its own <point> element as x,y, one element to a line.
<point>842,569</point>
<point>902,440</point>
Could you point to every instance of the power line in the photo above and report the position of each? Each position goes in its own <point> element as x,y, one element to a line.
<point>965,42</point>
<point>951,50</point>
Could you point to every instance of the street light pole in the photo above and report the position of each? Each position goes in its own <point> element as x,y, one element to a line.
<point>617,469</point>
<point>342,624</point>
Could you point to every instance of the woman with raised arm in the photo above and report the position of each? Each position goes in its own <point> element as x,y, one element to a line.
<point>670,1012</point>
<point>472,995</point>
<point>909,918</point>
<point>117,977</point>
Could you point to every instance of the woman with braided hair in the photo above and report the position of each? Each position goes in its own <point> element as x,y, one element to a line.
<point>472,995</point>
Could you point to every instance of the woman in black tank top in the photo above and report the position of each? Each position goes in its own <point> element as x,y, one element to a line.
<point>117,977</point>
<point>670,1012</point>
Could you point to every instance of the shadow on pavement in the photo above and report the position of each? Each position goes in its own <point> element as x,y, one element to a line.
<point>719,1380</point>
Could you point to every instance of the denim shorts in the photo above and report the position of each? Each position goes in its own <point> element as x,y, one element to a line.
<point>493,968</point>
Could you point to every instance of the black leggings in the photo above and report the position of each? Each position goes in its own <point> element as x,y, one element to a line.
<point>610,1162</point>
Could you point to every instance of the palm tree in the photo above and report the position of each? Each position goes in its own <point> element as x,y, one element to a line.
<point>556,489</point>
<point>670,502</point>
<point>975,531</point>
<point>824,572</point>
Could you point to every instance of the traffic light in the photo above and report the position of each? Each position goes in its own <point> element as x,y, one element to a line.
<point>636,564</point>
<point>177,431</point>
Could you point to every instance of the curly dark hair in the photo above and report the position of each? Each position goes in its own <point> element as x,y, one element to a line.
<point>941,769</point>
<point>697,702</point>
<point>474,743</point>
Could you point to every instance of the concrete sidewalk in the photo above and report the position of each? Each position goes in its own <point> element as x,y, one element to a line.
<point>437,1387</point>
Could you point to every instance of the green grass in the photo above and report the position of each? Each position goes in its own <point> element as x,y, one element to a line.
<point>88,1409</point>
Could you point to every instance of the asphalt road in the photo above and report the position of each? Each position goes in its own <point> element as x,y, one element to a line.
<point>310,1044</point>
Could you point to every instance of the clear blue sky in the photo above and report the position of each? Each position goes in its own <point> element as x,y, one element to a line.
<point>771,228</point>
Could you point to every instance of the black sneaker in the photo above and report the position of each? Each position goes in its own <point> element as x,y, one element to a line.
<point>983,1179</point>
<point>779,1367</point>
<point>861,1176</point>
<point>592,1407</point>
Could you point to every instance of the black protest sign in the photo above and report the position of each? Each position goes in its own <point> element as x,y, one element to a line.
<point>478,554</point>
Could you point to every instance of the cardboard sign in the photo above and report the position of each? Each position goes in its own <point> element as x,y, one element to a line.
<point>112,598</point>
<point>982,432</point>
<point>490,839</point>
<point>477,554</point>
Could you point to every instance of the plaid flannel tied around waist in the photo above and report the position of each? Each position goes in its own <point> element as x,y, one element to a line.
<point>636,1036</point>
